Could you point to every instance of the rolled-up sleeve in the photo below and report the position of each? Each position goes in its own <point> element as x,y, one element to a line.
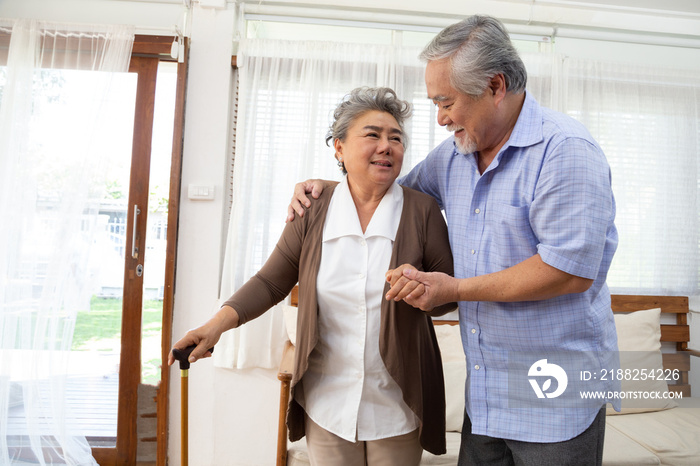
<point>573,207</point>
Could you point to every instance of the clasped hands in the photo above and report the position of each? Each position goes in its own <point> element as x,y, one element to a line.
<point>424,290</point>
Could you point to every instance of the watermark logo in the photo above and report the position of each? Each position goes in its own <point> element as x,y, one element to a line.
<point>543,369</point>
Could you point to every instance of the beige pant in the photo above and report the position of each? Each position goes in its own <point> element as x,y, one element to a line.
<point>327,449</point>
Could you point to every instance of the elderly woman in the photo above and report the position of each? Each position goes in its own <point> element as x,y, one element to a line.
<point>368,385</point>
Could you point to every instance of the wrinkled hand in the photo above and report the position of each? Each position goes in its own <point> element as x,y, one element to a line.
<point>401,286</point>
<point>300,201</point>
<point>424,290</point>
<point>204,337</point>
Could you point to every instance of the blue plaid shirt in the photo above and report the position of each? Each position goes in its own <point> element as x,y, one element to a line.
<point>547,192</point>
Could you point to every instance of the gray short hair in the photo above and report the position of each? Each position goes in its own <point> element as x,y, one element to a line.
<point>479,48</point>
<point>362,100</point>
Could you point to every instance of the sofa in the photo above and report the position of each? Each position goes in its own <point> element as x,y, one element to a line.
<point>663,430</point>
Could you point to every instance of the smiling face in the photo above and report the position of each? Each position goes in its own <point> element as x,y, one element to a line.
<point>372,152</point>
<point>466,116</point>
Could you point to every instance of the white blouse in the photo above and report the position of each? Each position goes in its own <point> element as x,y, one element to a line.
<point>347,388</point>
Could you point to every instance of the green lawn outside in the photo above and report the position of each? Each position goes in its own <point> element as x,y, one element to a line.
<point>99,329</point>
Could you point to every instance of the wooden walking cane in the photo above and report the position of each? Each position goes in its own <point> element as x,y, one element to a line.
<point>182,356</point>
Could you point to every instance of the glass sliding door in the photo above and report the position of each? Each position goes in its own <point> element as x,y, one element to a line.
<point>109,154</point>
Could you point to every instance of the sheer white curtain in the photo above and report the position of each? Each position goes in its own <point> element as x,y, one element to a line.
<point>287,94</point>
<point>647,120</point>
<point>51,180</point>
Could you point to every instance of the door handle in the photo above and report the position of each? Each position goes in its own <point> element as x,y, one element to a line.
<point>134,249</point>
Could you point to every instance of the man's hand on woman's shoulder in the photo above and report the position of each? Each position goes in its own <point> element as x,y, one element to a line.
<point>300,202</point>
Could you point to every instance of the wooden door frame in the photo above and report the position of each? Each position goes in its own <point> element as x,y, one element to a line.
<point>136,227</point>
<point>163,395</point>
<point>147,52</point>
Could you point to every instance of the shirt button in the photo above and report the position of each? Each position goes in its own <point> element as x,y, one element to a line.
<point>477,367</point>
<point>362,275</point>
<point>473,251</point>
<point>363,242</point>
<point>477,211</point>
<point>473,330</point>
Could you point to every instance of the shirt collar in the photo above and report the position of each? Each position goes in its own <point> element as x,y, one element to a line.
<point>342,219</point>
<point>528,128</point>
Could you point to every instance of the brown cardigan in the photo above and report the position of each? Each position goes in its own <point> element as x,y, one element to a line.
<point>408,344</point>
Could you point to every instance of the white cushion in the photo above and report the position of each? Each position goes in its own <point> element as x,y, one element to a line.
<point>455,368</point>
<point>673,435</point>
<point>638,339</point>
<point>620,450</point>
<point>290,322</point>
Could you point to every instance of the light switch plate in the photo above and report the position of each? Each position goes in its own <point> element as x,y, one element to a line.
<point>198,192</point>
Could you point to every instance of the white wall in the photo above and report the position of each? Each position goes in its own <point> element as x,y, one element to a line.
<point>233,413</point>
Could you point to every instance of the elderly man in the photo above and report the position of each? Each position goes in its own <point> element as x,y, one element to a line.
<point>530,210</point>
